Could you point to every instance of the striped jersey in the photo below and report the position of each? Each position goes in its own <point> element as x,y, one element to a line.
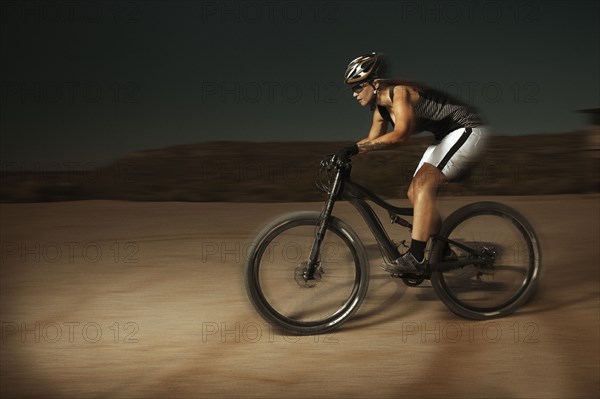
<point>438,113</point>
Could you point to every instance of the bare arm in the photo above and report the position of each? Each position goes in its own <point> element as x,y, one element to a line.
<point>378,127</point>
<point>404,114</point>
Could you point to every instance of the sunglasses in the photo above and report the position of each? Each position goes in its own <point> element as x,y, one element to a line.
<point>359,87</point>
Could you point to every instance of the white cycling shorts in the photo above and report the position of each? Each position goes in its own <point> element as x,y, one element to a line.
<point>456,151</point>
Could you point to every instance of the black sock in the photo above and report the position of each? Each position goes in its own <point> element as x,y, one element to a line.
<point>417,249</point>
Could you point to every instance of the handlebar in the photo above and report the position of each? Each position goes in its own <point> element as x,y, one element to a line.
<point>331,162</point>
<point>330,169</point>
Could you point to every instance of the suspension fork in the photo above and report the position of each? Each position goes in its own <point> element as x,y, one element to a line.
<point>313,258</point>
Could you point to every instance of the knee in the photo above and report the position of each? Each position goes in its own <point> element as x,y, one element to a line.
<point>410,194</point>
<point>415,191</point>
<point>420,192</point>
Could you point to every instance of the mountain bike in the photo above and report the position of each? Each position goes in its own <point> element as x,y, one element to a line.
<point>307,272</point>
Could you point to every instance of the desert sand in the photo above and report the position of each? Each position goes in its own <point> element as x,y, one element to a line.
<point>136,300</point>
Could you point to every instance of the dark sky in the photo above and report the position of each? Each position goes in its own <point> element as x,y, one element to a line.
<point>90,81</point>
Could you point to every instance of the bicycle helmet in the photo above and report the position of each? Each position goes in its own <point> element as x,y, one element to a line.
<point>362,68</point>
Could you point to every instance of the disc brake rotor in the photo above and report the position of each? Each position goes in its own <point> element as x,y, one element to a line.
<point>300,275</point>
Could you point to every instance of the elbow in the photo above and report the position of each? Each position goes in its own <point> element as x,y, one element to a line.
<point>400,133</point>
<point>398,137</point>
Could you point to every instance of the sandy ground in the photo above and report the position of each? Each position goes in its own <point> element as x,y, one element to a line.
<point>138,300</point>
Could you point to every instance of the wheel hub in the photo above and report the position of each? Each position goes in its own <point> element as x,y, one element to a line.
<point>302,277</point>
<point>486,269</point>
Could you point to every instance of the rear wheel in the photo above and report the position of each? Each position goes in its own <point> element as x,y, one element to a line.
<point>497,289</point>
<point>278,289</point>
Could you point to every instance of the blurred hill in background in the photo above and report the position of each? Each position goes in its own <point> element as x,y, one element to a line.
<point>285,171</point>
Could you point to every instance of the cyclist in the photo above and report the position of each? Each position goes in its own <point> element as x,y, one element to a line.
<point>410,108</point>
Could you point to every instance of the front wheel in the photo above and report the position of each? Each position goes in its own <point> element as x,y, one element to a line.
<point>275,281</point>
<point>510,276</point>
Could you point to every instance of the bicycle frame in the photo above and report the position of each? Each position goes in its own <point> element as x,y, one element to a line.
<point>343,188</point>
<point>472,288</point>
<point>357,196</point>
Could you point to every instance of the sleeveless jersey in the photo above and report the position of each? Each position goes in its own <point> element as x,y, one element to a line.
<point>438,113</point>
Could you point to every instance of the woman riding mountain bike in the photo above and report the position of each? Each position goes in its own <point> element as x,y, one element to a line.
<point>411,108</point>
<point>307,272</point>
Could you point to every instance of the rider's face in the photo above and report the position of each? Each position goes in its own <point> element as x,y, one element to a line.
<point>363,93</point>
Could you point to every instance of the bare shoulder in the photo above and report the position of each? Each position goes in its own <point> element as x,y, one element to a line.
<point>404,94</point>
